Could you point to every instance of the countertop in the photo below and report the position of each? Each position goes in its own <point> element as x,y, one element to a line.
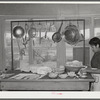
<point>89,78</point>
<point>45,83</point>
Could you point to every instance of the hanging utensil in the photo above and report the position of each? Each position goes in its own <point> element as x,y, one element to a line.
<point>40,36</point>
<point>71,34</point>
<point>81,35</point>
<point>56,37</point>
<point>18,31</point>
<point>45,35</point>
<point>40,30</point>
<point>26,38</point>
<point>52,27</point>
<point>21,50</point>
<point>32,31</point>
<point>46,31</point>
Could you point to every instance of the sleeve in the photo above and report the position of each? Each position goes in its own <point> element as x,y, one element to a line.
<point>94,64</point>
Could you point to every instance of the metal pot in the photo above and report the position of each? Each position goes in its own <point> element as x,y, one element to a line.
<point>32,32</point>
<point>72,35</point>
<point>18,31</point>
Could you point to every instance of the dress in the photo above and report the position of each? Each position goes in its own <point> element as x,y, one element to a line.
<point>95,63</point>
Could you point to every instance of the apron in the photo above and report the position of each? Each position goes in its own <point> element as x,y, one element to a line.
<point>96,84</point>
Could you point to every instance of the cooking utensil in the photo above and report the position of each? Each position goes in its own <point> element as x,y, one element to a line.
<point>26,38</point>
<point>46,30</point>
<point>56,37</point>
<point>32,31</point>
<point>21,51</point>
<point>45,34</point>
<point>18,31</point>
<point>52,27</point>
<point>72,35</point>
<point>81,36</point>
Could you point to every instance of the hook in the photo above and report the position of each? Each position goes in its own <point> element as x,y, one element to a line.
<point>77,23</point>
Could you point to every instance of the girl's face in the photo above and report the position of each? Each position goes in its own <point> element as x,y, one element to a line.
<point>95,48</point>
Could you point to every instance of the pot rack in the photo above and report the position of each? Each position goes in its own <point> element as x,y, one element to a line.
<point>49,20</point>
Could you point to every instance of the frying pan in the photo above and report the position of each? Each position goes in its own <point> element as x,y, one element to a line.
<point>56,37</point>
<point>18,31</point>
<point>72,35</point>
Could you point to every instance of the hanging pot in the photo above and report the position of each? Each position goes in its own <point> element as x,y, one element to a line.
<point>56,37</point>
<point>18,31</point>
<point>32,31</point>
<point>72,35</point>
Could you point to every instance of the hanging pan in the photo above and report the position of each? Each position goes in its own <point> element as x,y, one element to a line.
<point>26,38</point>
<point>18,31</point>
<point>56,37</point>
<point>32,31</point>
<point>72,35</point>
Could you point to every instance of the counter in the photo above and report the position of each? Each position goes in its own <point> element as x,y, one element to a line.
<point>45,83</point>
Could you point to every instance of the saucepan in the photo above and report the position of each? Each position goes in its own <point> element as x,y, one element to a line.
<point>56,37</point>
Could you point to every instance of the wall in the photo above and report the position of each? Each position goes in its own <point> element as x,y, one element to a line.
<point>50,9</point>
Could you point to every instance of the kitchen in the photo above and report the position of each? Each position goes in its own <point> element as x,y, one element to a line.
<point>35,58</point>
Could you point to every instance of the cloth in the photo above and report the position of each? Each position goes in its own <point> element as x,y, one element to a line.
<point>95,61</point>
<point>96,84</point>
